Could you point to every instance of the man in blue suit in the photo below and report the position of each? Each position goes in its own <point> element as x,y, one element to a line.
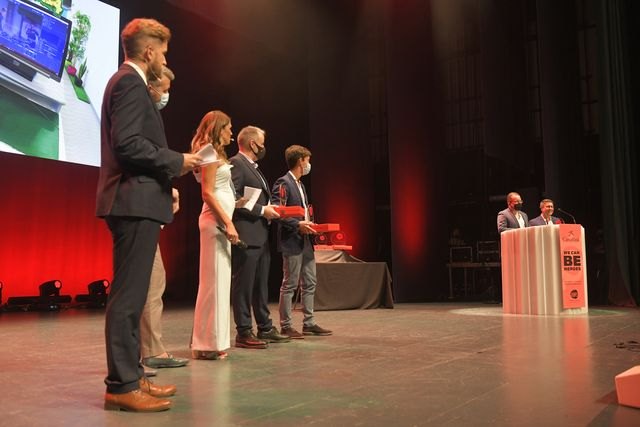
<point>294,241</point>
<point>546,214</point>
<point>512,217</point>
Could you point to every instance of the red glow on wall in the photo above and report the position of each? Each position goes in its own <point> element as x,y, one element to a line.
<point>48,227</point>
<point>410,216</point>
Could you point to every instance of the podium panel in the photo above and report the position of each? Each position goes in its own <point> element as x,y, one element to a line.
<point>532,271</point>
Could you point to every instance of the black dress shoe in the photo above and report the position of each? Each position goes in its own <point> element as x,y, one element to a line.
<point>248,340</point>
<point>315,330</point>
<point>272,335</point>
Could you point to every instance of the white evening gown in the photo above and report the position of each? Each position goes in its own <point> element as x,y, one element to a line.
<point>212,318</point>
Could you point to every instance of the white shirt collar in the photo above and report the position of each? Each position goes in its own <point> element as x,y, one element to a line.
<point>138,69</point>
<point>248,158</point>
<point>293,176</point>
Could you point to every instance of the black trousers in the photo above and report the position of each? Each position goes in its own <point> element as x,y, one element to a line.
<point>250,287</point>
<point>134,247</point>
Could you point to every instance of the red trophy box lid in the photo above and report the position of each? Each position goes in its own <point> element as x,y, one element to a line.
<point>323,247</point>
<point>290,211</point>
<point>342,247</point>
<point>324,228</point>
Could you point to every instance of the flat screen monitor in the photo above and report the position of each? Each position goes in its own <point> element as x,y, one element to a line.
<point>33,35</point>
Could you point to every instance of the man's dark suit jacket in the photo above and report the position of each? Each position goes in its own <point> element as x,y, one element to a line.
<point>136,164</point>
<point>507,220</point>
<point>539,221</point>
<point>290,241</point>
<point>252,228</point>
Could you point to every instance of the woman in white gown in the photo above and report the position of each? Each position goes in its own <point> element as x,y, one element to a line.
<point>211,323</point>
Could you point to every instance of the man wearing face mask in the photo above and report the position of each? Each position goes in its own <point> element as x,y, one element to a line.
<point>134,196</point>
<point>250,264</point>
<point>159,88</point>
<point>294,241</point>
<point>153,353</point>
<point>513,216</point>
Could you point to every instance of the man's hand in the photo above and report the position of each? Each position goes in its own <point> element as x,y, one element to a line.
<point>306,227</point>
<point>241,202</point>
<point>270,212</point>
<point>190,162</point>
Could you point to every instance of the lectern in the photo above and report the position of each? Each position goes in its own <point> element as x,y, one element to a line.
<point>544,270</point>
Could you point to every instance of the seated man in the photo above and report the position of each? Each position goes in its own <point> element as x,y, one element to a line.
<point>512,217</point>
<point>546,216</point>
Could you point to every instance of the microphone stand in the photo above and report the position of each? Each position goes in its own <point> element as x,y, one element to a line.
<point>568,214</point>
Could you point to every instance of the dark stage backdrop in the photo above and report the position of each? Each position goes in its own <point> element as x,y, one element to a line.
<point>310,73</point>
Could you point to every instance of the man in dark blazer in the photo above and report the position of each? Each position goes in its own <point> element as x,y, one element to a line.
<point>294,241</point>
<point>250,264</point>
<point>513,216</point>
<point>134,197</point>
<point>546,214</point>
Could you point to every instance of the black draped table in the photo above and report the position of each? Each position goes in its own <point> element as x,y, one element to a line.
<point>345,282</point>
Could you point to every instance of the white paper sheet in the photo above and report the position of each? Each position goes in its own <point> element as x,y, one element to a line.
<point>251,194</point>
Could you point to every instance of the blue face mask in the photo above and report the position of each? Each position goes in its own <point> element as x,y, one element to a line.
<point>164,100</point>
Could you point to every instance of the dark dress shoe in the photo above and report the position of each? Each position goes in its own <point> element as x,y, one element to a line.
<point>248,340</point>
<point>156,390</point>
<point>292,333</point>
<point>315,330</point>
<point>164,362</point>
<point>208,355</point>
<point>136,400</point>
<point>272,335</point>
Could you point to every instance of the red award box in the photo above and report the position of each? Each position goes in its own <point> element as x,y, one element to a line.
<point>290,211</point>
<point>325,228</point>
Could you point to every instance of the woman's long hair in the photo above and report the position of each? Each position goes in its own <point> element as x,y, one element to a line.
<point>208,132</point>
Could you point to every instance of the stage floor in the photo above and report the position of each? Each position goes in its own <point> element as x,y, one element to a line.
<point>415,365</point>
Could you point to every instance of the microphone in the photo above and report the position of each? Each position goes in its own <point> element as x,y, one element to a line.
<point>240,243</point>
<point>568,214</point>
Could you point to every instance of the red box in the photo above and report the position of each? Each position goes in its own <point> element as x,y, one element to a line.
<point>290,211</point>
<point>325,228</point>
<point>323,247</point>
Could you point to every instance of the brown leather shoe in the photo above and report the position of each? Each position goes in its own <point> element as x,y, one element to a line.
<point>156,390</point>
<point>136,400</point>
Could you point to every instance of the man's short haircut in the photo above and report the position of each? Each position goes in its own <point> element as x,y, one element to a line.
<point>166,72</point>
<point>295,152</point>
<point>135,34</point>
<point>510,195</point>
<point>543,201</point>
<point>248,134</point>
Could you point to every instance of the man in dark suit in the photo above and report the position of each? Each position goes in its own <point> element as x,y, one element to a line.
<point>134,197</point>
<point>512,217</point>
<point>294,241</point>
<point>546,214</point>
<point>250,265</point>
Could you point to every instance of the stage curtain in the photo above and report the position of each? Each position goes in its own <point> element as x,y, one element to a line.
<point>619,150</point>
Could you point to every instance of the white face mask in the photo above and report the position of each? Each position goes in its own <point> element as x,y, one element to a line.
<point>306,169</point>
<point>164,100</point>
